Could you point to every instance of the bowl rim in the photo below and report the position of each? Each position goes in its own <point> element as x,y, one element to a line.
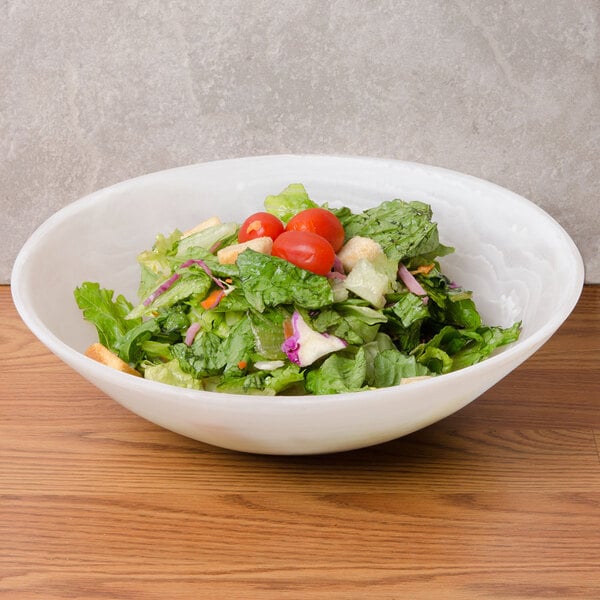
<point>102,372</point>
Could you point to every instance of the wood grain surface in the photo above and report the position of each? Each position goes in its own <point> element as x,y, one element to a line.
<point>499,501</point>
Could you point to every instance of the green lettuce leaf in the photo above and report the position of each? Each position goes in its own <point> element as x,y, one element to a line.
<point>204,240</point>
<point>283,379</point>
<point>439,288</point>
<point>155,351</point>
<point>405,319</point>
<point>203,358</point>
<point>210,354</point>
<point>268,383</point>
<point>381,342</point>
<point>491,338</point>
<point>391,366</point>
<point>289,202</point>
<point>462,313</point>
<point>192,282</point>
<point>172,374</point>
<point>267,328</point>
<point>234,301</point>
<point>251,383</point>
<point>238,346</point>
<point>105,313</point>
<point>353,322</point>
<point>129,346</point>
<point>155,264</point>
<point>271,281</point>
<point>152,338</point>
<point>452,348</point>
<point>403,229</point>
<point>338,373</point>
<point>216,321</point>
<point>408,308</point>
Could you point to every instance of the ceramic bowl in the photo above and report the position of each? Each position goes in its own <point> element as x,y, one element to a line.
<point>519,262</point>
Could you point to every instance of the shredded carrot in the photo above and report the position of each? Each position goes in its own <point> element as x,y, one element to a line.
<point>242,364</point>
<point>212,299</point>
<point>423,269</point>
<point>288,328</point>
<point>229,280</point>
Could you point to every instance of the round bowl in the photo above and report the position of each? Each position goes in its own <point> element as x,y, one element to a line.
<point>519,262</point>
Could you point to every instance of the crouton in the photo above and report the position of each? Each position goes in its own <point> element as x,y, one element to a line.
<point>355,249</point>
<point>204,225</point>
<point>229,254</point>
<point>102,354</point>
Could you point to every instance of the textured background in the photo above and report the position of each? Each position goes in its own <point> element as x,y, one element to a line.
<point>93,92</point>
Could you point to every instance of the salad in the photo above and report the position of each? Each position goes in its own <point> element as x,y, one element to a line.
<point>298,299</point>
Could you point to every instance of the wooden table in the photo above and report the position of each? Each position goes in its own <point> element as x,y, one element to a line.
<point>501,500</point>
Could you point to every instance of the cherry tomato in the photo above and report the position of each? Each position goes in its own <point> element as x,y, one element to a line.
<point>260,224</point>
<point>320,221</point>
<point>306,250</point>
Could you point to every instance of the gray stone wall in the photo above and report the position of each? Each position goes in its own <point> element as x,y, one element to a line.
<point>96,91</point>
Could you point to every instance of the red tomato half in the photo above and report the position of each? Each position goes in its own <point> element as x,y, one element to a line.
<point>306,250</point>
<point>320,221</point>
<point>260,224</point>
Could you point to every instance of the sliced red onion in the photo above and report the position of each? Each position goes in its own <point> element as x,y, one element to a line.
<point>161,289</point>
<point>205,267</point>
<point>195,261</point>
<point>338,267</point>
<point>215,247</point>
<point>408,279</point>
<point>335,275</point>
<point>191,332</point>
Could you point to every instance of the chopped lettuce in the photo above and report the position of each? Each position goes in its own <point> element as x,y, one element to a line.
<point>271,281</point>
<point>279,329</point>
<point>129,346</point>
<point>338,373</point>
<point>404,230</point>
<point>106,314</point>
<point>268,331</point>
<point>357,324</point>
<point>267,383</point>
<point>453,348</point>
<point>171,373</point>
<point>193,283</point>
<point>390,367</point>
<point>289,202</point>
<point>406,314</point>
<point>155,264</point>
<point>217,235</point>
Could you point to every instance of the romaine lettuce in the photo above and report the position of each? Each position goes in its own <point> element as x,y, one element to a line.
<point>271,281</point>
<point>278,329</point>
<point>289,202</point>
<point>403,229</point>
<point>105,313</point>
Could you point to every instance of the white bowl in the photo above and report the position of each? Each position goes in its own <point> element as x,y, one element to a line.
<point>520,263</point>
